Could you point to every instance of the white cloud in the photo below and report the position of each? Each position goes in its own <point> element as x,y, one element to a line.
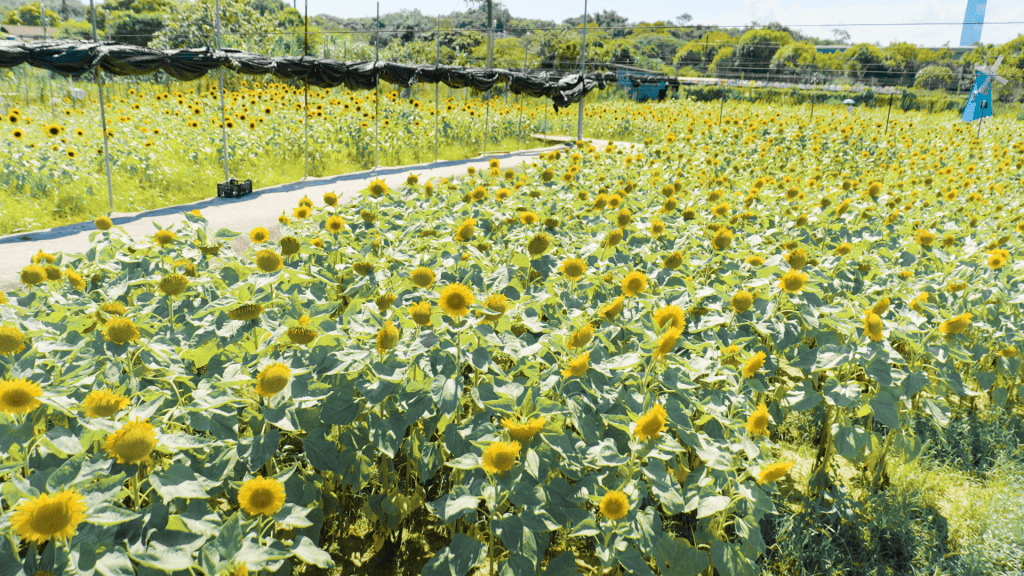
<point>796,14</point>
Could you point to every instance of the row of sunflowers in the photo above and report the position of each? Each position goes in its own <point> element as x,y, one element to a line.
<point>596,348</point>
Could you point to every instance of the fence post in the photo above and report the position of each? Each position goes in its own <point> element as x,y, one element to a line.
<point>220,90</point>
<point>519,132</point>
<point>305,88</point>
<point>490,68</point>
<point>437,88</point>
<point>103,116</point>
<point>49,75</point>
<point>583,74</point>
<point>887,116</point>
<point>721,109</point>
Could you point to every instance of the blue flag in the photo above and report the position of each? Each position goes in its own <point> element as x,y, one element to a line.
<point>979,105</point>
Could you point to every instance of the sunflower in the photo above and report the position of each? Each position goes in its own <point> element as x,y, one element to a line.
<point>956,325</point>
<point>673,260</point>
<point>32,275</point>
<point>261,496</point>
<point>499,457</point>
<point>651,423</point>
<point>610,311</point>
<point>844,248</point>
<point>671,315</point>
<point>624,217</point>
<point>666,343</point>
<point>578,366</point>
<point>290,245</point>
<point>614,505</point>
<point>300,335</point>
<point>925,238</point>
<point>378,188</point>
<point>331,199</point>
<point>722,239</point>
<point>17,133</point>
<point>466,230</point>
<point>363,268</point>
<point>773,472</point>
<point>420,313</point>
<point>272,379</point>
<point>581,337</point>
<point>422,277</point>
<point>873,325</point>
<point>742,301</point>
<point>246,312</point>
<point>164,237</point>
<point>19,396</point>
<point>173,284</point>
<point>103,404</point>
<point>12,340</point>
<point>754,364</point>
<point>132,443</point>
<point>497,303</point>
<point>268,261</point>
<point>797,259</point>
<point>793,281</point>
<point>538,244</point>
<point>754,260</point>
<point>455,300</point>
<point>573,268</point>
<point>526,430</point>
<point>613,238</point>
<point>49,516</point>
<point>259,235</point>
<point>881,306</point>
<point>120,331</point>
<point>75,279</point>
<point>301,212</point>
<point>387,337</point>
<point>334,224</point>
<point>529,218</point>
<point>634,283</point>
<point>757,422</point>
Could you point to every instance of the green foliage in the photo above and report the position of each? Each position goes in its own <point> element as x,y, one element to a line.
<point>29,15</point>
<point>933,77</point>
<point>191,25</point>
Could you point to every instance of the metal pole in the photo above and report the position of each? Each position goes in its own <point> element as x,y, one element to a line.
<point>583,73</point>
<point>490,67</point>
<point>979,127</point>
<point>49,78</point>
<point>437,88</point>
<point>887,116</point>
<point>519,132</point>
<point>721,109</point>
<point>220,90</point>
<point>812,105</point>
<point>103,116</point>
<point>305,87</point>
<point>376,93</point>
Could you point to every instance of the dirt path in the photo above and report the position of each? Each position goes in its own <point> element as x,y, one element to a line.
<point>243,214</point>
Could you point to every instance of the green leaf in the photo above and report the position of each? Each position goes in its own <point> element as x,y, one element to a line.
<point>262,448</point>
<point>634,562</point>
<point>729,560</point>
<point>676,557</point>
<point>322,453</point>
<point>562,565</point>
<point>712,505</point>
<point>179,481</point>
<point>456,559</point>
<point>305,550</point>
<point>109,515</point>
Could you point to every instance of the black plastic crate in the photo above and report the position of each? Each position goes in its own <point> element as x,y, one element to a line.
<point>234,188</point>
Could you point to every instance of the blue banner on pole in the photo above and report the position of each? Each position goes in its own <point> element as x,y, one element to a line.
<point>979,105</point>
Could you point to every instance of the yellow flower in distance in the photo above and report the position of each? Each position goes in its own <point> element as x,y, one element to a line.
<point>757,422</point>
<point>873,325</point>
<point>246,312</point>
<point>578,366</point>
<point>525,430</point>
<point>538,244</point>
<point>32,275</point>
<point>334,224</point>
<point>259,235</point>
<point>12,340</point>
<point>612,310</point>
<point>103,404</point>
<point>268,261</point>
<point>651,423</point>
<point>742,301</point>
<point>174,284</point>
<point>793,281</point>
<point>581,337</point>
<point>466,230</point>
<point>120,331</point>
<point>47,516</point>
<point>497,303</point>
<point>420,313</point>
<point>573,268</point>
<point>773,472</point>
<point>301,336</point>
<point>614,505</point>
<point>754,364</point>
<point>634,283</point>
<point>673,260</point>
<point>19,396</point>
<point>378,188</point>
<point>499,457</point>
<point>722,239</point>
<point>133,443</point>
<point>103,223</point>
<point>272,379</point>
<point>455,300</point>
<point>164,237</point>
<point>881,306</point>
<point>956,325</point>
<point>261,496</point>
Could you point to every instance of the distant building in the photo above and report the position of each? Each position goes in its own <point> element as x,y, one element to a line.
<point>22,32</point>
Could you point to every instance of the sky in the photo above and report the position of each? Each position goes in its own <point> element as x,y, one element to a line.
<point>814,17</point>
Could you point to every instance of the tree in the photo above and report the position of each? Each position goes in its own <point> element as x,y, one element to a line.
<point>933,77</point>
<point>841,36</point>
<point>191,25</point>
<point>28,15</point>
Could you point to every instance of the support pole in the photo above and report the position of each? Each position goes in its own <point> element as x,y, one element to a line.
<point>490,68</point>
<point>583,74</point>
<point>49,75</point>
<point>979,128</point>
<point>721,109</point>
<point>220,90</point>
<point>305,88</point>
<point>519,132</point>
<point>103,116</point>
<point>887,116</point>
<point>812,106</point>
<point>376,92</point>
<point>437,89</point>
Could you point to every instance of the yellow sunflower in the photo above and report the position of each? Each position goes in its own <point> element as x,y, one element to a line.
<point>581,337</point>
<point>651,423</point>
<point>578,366</point>
<point>272,379</point>
<point>742,301</point>
<point>259,235</point>
<point>268,261</point>
<point>455,300</point>
<point>754,364</point>
<point>526,430</point>
<point>103,404</point>
<point>132,443</point>
<point>614,505</point>
<point>956,325</point>
<point>773,472</point>
<point>573,268</point>
<point>666,343</point>
<point>634,283</point>
<point>19,396</point>
<point>12,340</point>
<point>47,516</point>
<point>120,331</point>
<point>499,457</point>
<point>246,312</point>
<point>873,325</point>
<point>261,496</point>
<point>420,313</point>
<point>671,315</point>
<point>793,281</point>
<point>757,422</point>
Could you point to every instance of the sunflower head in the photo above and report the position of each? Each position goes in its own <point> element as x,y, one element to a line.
<point>32,275</point>
<point>246,312</point>
<point>634,283</point>
<point>573,268</point>
<point>420,313</point>
<point>259,235</point>
<point>103,223</point>
<point>793,281</point>
<point>455,300</point>
<point>673,316</point>
<point>334,224</point>
<point>538,244</point>
<point>12,340</point>
<point>498,304</point>
<point>331,199</point>
<point>773,472</point>
<point>174,284</point>
<point>526,430</point>
<point>613,238</point>
<point>272,379</point>
<point>164,237</point>
<point>956,325</point>
<point>610,311</point>
<point>499,457</point>
<point>268,261</point>
<point>614,505</point>
<point>742,301</point>
<point>103,403</point>
<point>873,325</point>
<point>578,366</point>
<point>757,422</point>
<point>120,331</point>
<point>754,364</point>
<point>363,268</point>
<point>261,496</point>
<point>581,337</point>
<point>19,396</point>
<point>673,260</point>
<point>651,424</point>
<point>722,239</point>
<point>49,516</point>
<point>466,230</point>
<point>133,443</point>
<point>290,245</point>
<point>300,335</point>
<point>378,188</point>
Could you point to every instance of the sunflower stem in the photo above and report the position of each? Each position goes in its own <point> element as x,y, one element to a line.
<point>136,499</point>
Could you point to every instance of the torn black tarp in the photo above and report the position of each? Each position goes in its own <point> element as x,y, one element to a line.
<point>75,58</point>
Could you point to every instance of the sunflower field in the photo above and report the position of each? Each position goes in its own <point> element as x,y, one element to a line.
<point>576,366</point>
